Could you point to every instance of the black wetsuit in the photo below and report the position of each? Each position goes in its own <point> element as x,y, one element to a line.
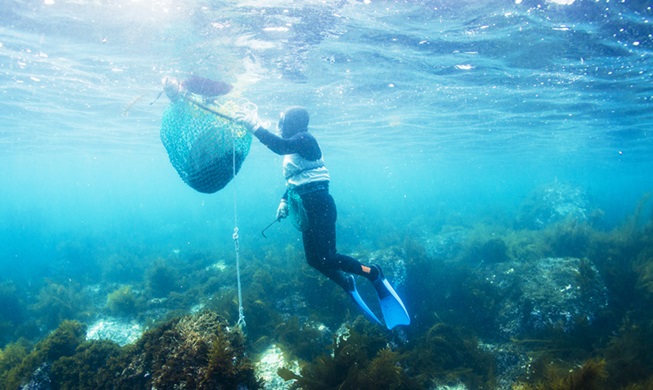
<point>320,235</point>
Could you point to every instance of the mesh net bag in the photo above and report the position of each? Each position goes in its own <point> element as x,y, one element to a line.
<point>298,215</point>
<point>201,140</point>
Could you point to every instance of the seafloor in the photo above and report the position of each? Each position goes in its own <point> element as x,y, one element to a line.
<point>549,299</point>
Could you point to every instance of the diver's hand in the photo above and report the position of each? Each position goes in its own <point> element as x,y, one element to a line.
<point>249,120</point>
<point>172,88</point>
<point>282,210</point>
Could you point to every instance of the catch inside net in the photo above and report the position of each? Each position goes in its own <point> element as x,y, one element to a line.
<point>205,145</point>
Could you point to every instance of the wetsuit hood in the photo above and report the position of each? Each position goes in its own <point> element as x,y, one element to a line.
<point>293,120</point>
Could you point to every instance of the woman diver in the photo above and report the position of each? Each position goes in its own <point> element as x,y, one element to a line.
<point>307,193</point>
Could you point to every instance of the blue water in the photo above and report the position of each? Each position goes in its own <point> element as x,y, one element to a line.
<point>425,110</point>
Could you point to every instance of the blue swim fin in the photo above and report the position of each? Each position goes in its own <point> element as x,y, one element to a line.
<point>394,311</point>
<point>360,302</point>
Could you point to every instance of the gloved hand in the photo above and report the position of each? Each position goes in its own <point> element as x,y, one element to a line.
<point>172,88</point>
<point>282,210</point>
<point>249,120</point>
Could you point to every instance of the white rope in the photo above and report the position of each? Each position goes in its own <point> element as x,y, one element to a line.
<point>241,316</point>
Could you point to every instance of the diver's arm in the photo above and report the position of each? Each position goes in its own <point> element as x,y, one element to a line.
<point>282,146</point>
<point>301,143</point>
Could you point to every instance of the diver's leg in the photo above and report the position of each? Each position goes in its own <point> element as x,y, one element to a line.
<point>316,255</point>
<point>321,236</point>
<point>350,265</point>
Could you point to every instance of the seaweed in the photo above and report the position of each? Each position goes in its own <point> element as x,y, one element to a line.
<point>301,339</point>
<point>486,245</point>
<point>451,297</point>
<point>632,225</point>
<point>61,342</point>
<point>643,267</point>
<point>362,358</point>
<point>123,302</point>
<point>569,238</point>
<point>196,351</point>
<point>93,366</point>
<point>161,279</point>
<point>10,357</point>
<point>494,250</point>
<point>57,303</point>
<point>455,289</point>
<point>124,267</point>
<point>262,316</point>
<point>628,354</point>
<point>527,246</point>
<point>358,361</point>
<point>12,313</point>
<point>384,371</point>
<point>225,304</point>
<point>228,366</point>
<point>322,297</point>
<point>11,303</point>
<point>592,375</point>
<point>445,354</point>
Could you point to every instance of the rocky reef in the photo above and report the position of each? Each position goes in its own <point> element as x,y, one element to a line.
<point>557,293</point>
<point>553,203</point>
<point>544,299</point>
<point>191,352</point>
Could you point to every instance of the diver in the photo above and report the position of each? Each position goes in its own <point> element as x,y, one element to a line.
<point>307,198</point>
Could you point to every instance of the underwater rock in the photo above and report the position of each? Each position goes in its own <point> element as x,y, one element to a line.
<point>446,245</point>
<point>269,363</point>
<point>458,386</point>
<point>552,203</point>
<point>40,379</point>
<point>198,351</point>
<point>510,359</point>
<point>122,333</point>
<point>292,304</point>
<point>306,339</point>
<point>551,293</point>
<point>392,262</point>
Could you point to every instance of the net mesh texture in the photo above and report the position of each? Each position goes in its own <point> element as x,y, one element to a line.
<point>201,143</point>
